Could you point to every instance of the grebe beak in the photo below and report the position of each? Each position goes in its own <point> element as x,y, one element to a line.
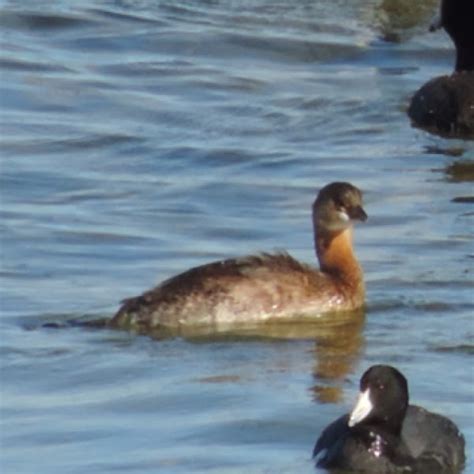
<point>357,213</point>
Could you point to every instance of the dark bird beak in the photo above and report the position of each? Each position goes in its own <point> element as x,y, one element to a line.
<point>357,213</point>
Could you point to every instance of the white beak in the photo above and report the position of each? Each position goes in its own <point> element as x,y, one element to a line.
<point>436,22</point>
<point>361,409</point>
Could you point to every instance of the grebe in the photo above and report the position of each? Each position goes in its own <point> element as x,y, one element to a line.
<point>445,104</point>
<point>384,434</point>
<point>263,287</point>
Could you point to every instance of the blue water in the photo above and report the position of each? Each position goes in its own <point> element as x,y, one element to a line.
<point>141,138</point>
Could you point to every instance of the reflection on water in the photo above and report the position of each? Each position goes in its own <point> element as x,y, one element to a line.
<point>336,356</point>
<point>460,171</point>
<point>338,340</point>
<point>322,327</point>
<point>447,151</point>
<point>396,18</point>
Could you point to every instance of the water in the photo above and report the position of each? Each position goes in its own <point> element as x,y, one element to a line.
<point>141,138</point>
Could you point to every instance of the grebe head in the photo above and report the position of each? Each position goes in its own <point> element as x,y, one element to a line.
<point>336,206</point>
<point>383,399</point>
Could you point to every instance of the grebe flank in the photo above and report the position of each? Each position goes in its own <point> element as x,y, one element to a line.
<point>266,286</point>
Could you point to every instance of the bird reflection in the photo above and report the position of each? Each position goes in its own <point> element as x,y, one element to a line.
<point>335,356</point>
<point>338,342</point>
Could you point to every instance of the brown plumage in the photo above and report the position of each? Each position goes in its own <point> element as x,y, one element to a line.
<point>266,286</point>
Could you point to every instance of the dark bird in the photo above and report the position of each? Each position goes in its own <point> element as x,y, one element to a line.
<point>385,435</point>
<point>445,104</point>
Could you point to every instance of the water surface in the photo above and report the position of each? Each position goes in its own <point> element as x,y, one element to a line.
<point>141,138</point>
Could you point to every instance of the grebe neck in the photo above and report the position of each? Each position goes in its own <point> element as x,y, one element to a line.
<point>336,256</point>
